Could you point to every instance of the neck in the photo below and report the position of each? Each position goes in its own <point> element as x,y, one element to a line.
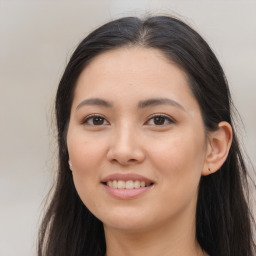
<point>175,238</point>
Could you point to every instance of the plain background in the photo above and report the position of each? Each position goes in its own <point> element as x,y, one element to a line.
<point>36,41</point>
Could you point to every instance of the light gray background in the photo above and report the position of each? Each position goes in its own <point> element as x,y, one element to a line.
<point>36,40</point>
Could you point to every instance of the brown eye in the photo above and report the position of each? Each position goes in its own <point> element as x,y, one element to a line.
<point>160,120</point>
<point>98,120</point>
<point>95,120</point>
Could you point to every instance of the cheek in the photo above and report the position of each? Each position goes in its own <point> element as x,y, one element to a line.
<point>85,156</point>
<point>178,162</point>
<point>85,152</point>
<point>179,159</point>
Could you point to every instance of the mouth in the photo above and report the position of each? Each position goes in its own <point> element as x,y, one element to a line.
<point>127,184</point>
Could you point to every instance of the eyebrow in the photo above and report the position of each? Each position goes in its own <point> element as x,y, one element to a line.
<point>95,101</point>
<point>159,101</point>
<point>141,104</point>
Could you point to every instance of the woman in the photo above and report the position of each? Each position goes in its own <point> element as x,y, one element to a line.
<point>149,161</point>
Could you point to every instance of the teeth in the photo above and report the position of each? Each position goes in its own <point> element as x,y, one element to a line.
<point>110,183</point>
<point>114,184</point>
<point>137,184</point>
<point>127,184</point>
<point>121,184</point>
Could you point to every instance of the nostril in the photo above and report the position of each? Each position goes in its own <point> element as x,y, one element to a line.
<point>125,154</point>
<point>123,161</point>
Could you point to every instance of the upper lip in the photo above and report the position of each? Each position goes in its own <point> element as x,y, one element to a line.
<point>126,177</point>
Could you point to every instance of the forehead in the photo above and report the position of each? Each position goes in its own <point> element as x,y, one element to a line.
<point>132,73</point>
<point>131,60</point>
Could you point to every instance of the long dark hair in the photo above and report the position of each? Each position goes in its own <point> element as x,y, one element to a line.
<point>223,219</point>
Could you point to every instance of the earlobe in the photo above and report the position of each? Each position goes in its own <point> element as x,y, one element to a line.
<point>218,148</point>
<point>70,164</point>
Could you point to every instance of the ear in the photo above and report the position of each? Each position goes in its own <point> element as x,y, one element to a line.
<point>218,146</point>
<point>70,165</point>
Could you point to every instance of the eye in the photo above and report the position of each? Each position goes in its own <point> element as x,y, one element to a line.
<point>95,120</point>
<point>160,120</point>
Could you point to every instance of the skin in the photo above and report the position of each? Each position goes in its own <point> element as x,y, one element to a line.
<point>173,154</point>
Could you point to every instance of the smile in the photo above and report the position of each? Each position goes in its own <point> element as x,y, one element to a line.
<point>129,184</point>
<point>126,186</point>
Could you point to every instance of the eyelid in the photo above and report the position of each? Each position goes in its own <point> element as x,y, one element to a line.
<point>167,117</point>
<point>89,117</point>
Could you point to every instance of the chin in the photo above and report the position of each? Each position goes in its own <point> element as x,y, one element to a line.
<point>130,221</point>
<point>129,227</point>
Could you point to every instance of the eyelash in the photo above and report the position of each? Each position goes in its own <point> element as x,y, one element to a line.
<point>90,117</point>
<point>166,117</point>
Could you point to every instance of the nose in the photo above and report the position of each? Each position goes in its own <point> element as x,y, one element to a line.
<point>125,147</point>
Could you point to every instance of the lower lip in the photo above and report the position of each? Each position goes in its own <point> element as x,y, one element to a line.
<point>127,193</point>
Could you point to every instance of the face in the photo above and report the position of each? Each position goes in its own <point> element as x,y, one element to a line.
<point>136,140</point>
